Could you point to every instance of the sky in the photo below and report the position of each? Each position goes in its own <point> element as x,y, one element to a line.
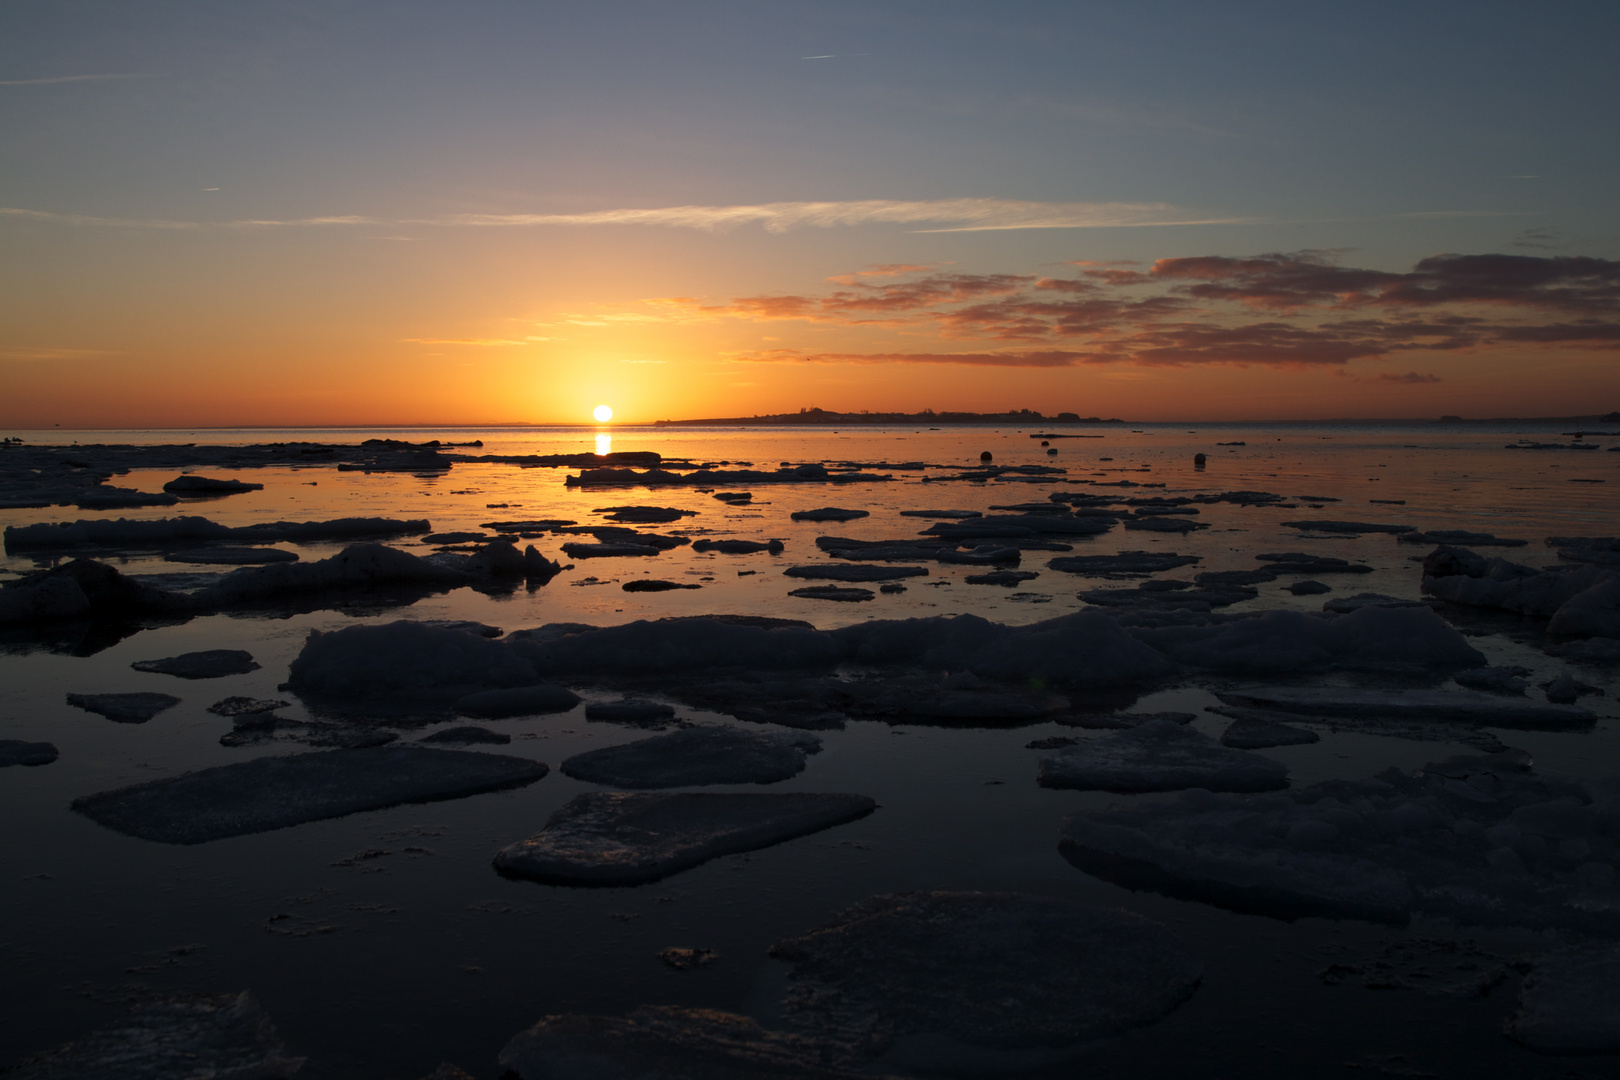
<point>305,213</point>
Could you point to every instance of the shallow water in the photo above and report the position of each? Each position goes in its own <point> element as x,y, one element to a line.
<point>380,967</point>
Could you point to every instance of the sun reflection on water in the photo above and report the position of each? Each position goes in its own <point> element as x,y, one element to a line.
<point>604,444</point>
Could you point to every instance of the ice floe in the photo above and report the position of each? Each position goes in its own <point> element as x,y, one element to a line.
<point>467,735</point>
<point>1348,527</point>
<point>1127,564</point>
<point>223,1036</point>
<point>657,585</point>
<point>1248,733</point>
<point>838,593</point>
<point>630,711</point>
<point>617,838</point>
<point>664,1042</point>
<point>1370,637</point>
<point>972,980</point>
<point>119,532</point>
<point>18,752</point>
<point>675,646</point>
<point>1159,756</point>
<point>838,572</point>
<point>194,485</point>
<point>1570,1003</point>
<point>696,756</point>
<point>739,547</point>
<point>133,708</point>
<point>1457,706</point>
<point>276,792</point>
<point>1085,649</point>
<point>536,700</point>
<point>1475,839</point>
<point>403,661</point>
<point>208,664</point>
<point>1009,578</point>
<point>231,556</point>
<point>1459,576</point>
<point>829,513</point>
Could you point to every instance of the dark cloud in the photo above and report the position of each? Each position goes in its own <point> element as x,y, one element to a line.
<point>1049,359</point>
<point>1411,378</point>
<point>1202,311</point>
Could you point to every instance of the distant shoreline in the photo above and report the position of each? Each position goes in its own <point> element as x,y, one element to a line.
<point>1026,418</point>
<point>826,419</point>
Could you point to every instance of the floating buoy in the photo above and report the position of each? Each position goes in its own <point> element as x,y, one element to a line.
<point>1052,451</point>
<point>1198,461</point>
<point>985,456</point>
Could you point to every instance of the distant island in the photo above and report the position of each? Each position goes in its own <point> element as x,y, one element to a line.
<point>814,417</point>
<point>928,417</point>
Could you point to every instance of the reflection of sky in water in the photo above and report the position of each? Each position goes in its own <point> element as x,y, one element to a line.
<point>960,809</point>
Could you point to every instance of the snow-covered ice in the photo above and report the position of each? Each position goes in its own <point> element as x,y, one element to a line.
<point>619,838</point>
<point>1160,755</point>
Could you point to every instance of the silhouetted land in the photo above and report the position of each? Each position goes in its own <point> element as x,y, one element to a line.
<point>926,417</point>
<point>930,418</point>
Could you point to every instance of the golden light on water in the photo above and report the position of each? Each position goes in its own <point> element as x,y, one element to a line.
<point>604,445</point>
<point>602,413</point>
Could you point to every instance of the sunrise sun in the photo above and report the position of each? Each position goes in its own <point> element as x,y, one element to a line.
<point>602,413</point>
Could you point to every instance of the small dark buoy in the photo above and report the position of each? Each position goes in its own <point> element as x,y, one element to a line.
<point>985,456</point>
<point>1045,443</point>
<point>1053,451</point>
<point>1198,461</point>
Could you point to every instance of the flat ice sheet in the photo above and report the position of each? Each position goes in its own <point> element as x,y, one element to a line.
<point>611,838</point>
<point>275,792</point>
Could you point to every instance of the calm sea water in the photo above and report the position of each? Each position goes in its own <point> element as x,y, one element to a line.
<point>381,967</point>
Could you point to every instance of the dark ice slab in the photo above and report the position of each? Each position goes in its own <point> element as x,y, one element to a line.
<point>832,592</point>
<point>1252,733</point>
<point>1348,527</point>
<point>630,711</point>
<point>1570,1003</point>
<point>517,701</point>
<point>696,756</point>
<point>223,1036</point>
<point>829,513</point>
<point>135,708</point>
<point>1160,755</point>
<point>468,734</point>
<point>858,572</point>
<point>1461,706</point>
<point>1125,564</point>
<point>208,664</point>
<point>17,752</point>
<point>617,838</point>
<point>275,792</point>
<point>667,1043</point>
<point>1478,840</point>
<point>208,485</point>
<point>231,556</point>
<point>969,979</point>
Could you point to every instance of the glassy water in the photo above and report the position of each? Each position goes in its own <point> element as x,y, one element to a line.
<point>383,943</point>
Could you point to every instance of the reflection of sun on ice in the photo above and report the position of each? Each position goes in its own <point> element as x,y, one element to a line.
<point>602,413</point>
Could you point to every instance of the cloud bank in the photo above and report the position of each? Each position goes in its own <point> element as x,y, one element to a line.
<point>1294,310</point>
<point>944,215</point>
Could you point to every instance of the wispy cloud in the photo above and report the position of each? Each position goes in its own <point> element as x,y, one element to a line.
<point>162,223</point>
<point>948,215</point>
<point>468,341</point>
<point>35,355</point>
<point>945,215</point>
<point>1411,378</point>
<point>53,79</point>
